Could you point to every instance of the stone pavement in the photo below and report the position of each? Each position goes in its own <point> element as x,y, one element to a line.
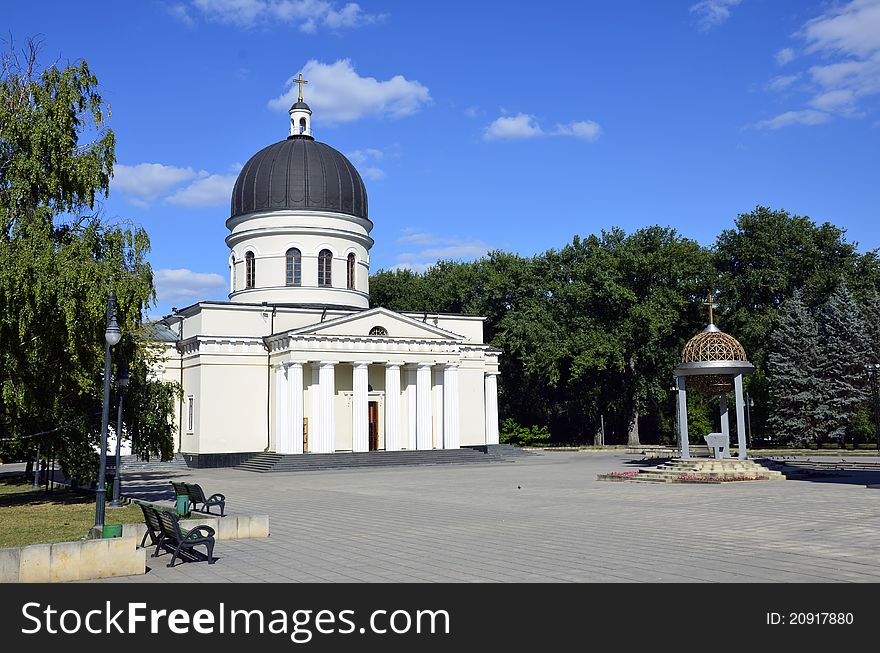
<point>541,518</point>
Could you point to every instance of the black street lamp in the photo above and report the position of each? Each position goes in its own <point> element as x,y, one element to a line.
<point>112,336</point>
<point>121,384</point>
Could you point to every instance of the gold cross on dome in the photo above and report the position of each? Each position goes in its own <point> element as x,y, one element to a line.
<point>711,304</point>
<point>300,81</point>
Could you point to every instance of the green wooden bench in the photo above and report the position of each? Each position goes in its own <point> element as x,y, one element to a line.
<point>197,496</point>
<point>182,542</point>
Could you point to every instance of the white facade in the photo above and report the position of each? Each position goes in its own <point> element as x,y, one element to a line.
<point>296,363</point>
<point>312,390</point>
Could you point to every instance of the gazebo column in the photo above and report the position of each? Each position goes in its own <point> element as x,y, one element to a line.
<point>683,417</point>
<point>725,422</point>
<point>740,416</point>
<point>360,437</point>
<point>392,407</point>
<point>411,413</point>
<point>295,406</point>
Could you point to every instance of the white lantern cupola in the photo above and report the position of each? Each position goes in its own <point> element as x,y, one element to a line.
<point>300,113</point>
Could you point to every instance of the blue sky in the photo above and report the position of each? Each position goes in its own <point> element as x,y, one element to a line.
<point>482,125</point>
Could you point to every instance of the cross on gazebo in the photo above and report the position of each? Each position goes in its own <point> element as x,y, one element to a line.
<point>300,81</point>
<point>711,304</point>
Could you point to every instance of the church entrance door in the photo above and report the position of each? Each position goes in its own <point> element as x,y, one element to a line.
<point>374,425</point>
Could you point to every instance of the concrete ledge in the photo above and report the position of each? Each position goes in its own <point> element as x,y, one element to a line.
<point>67,561</point>
<point>230,527</point>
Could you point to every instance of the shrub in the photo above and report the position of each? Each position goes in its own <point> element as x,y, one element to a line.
<point>513,433</point>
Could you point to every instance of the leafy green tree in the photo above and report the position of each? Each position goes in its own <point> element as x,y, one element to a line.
<point>58,260</point>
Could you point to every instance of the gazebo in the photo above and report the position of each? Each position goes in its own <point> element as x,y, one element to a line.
<point>713,363</point>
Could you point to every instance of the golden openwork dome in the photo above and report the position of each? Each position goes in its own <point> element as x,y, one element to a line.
<point>712,344</point>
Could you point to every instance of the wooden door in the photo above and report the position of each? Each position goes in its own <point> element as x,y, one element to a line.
<point>374,425</point>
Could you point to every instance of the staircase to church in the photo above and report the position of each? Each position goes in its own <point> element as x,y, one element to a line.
<point>273,462</point>
<point>133,463</point>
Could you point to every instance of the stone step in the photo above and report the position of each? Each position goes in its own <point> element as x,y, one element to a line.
<point>270,462</point>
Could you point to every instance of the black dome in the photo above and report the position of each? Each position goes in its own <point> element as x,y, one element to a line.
<point>299,174</point>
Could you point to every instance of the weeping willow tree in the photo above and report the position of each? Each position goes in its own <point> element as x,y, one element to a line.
<point>59,258</point>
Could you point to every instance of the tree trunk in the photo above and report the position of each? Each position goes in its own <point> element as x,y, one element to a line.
<point>632,418</point>
<point>632,424</point>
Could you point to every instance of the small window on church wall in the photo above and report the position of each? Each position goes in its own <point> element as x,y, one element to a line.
<point>302,125</point>
<point>378,331</point>
<point>325,263</point>
<point>232,273</point>
<point>250,270</point>
<point>190,413</point>
<point>294,267</point>
<point>351,269</point>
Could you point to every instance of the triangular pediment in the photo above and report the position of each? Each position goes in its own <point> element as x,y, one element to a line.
<point>374,320</point>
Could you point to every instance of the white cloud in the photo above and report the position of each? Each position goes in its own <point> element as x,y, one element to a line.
<point>519,126</point>
<point>523,125</point>
<point>144,183</point>
<point>307,15</point>
<point>845,40</point>
<point>805,117</point>
<point>181,13</point>
<point>336,93</point>
<point>852,29</point>
<point>430,248</point>
<point>782,82</point>
<point>365,161</point>
<point>210,190</point>
<point>186,286</point>
<point>711,13</point>
<point>784,56</point>
<point>584,129</point>
<point>474,112</point>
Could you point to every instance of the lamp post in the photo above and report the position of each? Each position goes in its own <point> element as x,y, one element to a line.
<point>121,384</point>
<point>112,336</point>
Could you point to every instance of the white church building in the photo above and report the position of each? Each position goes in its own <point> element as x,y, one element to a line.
<point>296,362</point>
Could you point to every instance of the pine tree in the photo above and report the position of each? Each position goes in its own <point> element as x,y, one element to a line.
<point>793,368</point>
<point>871,321</point>
<point>843,380</point>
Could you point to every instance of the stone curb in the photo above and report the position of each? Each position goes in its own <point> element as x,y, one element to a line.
<point>114,556</point>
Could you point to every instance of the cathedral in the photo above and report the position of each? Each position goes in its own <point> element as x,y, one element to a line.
<point>296,362</point>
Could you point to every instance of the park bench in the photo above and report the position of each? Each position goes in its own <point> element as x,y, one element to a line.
<point>154,527</point>
<point>197,496</point>
<point>182,542</point>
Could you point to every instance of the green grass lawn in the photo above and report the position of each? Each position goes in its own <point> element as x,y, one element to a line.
<point>29,516</point>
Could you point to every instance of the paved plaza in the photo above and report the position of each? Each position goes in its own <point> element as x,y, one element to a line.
<point>539,518</point>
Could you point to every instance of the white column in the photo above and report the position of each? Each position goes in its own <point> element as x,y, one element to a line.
<point>725,424</point>
<point>360,435</point>
<point>410,406</point>
<point>295,406</point>
<point>438,407</point>
<point>315,416</point>
<point>491,408</point>
<point>740,417</point>
<point>683,417</point>
<point>423,410</point>
<point>451,421</point>
<point>282,435</point>
<point>392,407</point>
<point>327,389</point>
